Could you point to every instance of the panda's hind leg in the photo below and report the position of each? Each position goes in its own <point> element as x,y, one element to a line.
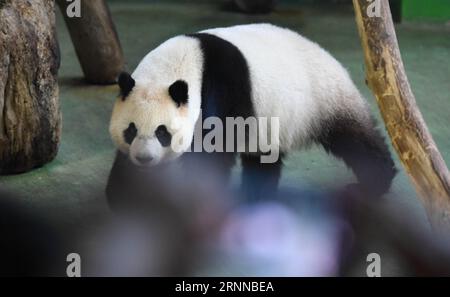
<point>260,180</point>
<point>363,148</point>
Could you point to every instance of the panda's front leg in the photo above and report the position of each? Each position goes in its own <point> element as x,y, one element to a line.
<point>117,180</point>
<point>125,183</point>
<point>260,180</point>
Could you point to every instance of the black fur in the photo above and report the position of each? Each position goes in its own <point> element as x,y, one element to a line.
<point>126,84</point>
<point>118,180</point>
<point>127,186</point>
<point>179,92</point>
<point>227,92</point>
<point>130,133</point>
<point>364,150</point>
<point>226,86</point>
<point>260,180</point>
<point>163,135</point>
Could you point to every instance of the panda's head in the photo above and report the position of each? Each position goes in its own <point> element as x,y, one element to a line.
<point>151,121</point>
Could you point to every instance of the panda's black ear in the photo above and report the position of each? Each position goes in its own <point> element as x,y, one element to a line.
<point>179,92</point>
<point>126,84</point>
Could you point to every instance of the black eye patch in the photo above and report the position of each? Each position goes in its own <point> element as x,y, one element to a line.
<point>126,84</point>
<point>179,92</point>
<point>164,136</point>
<point>130,133</point>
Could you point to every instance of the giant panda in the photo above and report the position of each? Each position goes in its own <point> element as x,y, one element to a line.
<point>256,70</point>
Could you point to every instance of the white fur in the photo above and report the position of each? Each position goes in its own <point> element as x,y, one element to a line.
<point>295,80</point>
<point>149,104</point>
<point>292,78</point>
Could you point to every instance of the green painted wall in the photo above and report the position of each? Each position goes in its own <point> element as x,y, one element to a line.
<point>435,10</point>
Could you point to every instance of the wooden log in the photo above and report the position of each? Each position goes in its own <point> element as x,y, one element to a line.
<point>95,40</point>
<point>406,127</point>
<point>30,119</point>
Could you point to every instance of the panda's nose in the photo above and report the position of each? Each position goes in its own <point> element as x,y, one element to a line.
<point>144,159</point>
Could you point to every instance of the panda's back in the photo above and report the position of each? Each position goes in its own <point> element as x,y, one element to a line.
<point>294,79</point>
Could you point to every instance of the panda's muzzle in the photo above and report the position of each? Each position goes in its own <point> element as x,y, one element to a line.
<point>146,151</point>
<point>144,159</point>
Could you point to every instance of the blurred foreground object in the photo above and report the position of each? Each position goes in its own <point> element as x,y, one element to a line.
<point>270,239</point>
<point>136,246</point>
<point>256,6</point>
<point>30,245</point>
<point>161,217</point>
<point>95,40</point>
<point>406,248</point>
<point>408,132</point>
<point>187,232</point>
<point>30,119</point>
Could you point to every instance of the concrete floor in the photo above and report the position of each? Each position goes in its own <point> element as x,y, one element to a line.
<point>71,187</point>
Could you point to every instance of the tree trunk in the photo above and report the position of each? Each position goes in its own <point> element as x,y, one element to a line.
<point>408,132</point>
<point>30,120</point>
<point>95,40</point>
